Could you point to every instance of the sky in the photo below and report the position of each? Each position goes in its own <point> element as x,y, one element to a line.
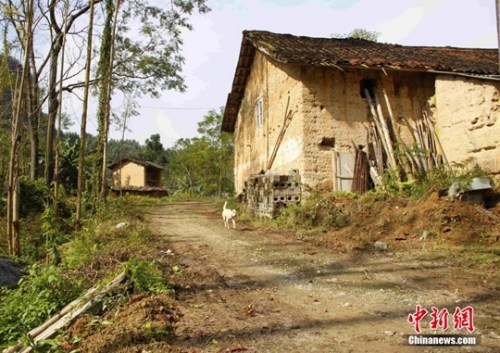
<point>211,49</point>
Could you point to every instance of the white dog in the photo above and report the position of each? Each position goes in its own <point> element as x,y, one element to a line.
<point>227,215</point>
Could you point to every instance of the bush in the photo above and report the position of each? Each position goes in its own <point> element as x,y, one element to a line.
<point>41,294</point>
<point>327,211</point>
<point>35,195</point>
<point>145,276</point>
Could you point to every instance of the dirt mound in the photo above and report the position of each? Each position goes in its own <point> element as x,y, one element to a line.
<point>10,273</point>
<point>401,223</point>
<point>144,323</point>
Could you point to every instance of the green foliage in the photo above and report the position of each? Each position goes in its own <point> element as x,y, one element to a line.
<point>149,59</point>
<point>35,195</point>
<point>439,179</point>
<point>130,149</point>
<point>145,276</point>
<point>202,165</point>
<point>51,229</point>
<point>41,294</point>
<point>68,164</point>
<point>323,211</point>
<point>359,33</point>
<point>153,150</point>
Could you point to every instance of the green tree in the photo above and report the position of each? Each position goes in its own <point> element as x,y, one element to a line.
<point>359,33</point>
<point>221,145</point>
<point>202,165</point>
<point>153,150</point>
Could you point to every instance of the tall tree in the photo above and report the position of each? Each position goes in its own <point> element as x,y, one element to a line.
<point>57,33</point>
<point>153,150</point>
<point>222,145</point>
<point>60,114</point>
<point>17,123</point>
<point>202,165</point>
<point>105,71</point>
<point>147,60</point>
<point>83,121</point>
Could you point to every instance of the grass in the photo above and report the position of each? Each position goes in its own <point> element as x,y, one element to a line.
<point>85,257</point>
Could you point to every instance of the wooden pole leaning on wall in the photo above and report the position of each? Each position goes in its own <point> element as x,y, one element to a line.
<point>405,156</point>
<point>286,122</point>
<point>378,124</point>
<point>438,147</point>
<point>385,130</point>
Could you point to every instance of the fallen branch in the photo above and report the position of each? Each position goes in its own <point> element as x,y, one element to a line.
<point>69,313</point>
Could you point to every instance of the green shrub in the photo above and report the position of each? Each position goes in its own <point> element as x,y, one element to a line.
<point>41,294</point>
<point>85,243</point>
<point>35,195</point>
<point>325,211</point>
<point>145,276</point>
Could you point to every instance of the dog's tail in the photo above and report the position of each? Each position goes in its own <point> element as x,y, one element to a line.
<point>225,204</point>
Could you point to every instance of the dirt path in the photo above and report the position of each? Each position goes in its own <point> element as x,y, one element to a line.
<point>268,292</point>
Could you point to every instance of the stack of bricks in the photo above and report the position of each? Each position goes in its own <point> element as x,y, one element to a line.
<point>266,194</point>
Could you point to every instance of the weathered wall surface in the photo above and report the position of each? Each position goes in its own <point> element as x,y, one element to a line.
<point>328,112</point>
<point>468,120</point>
<point>131,175</point>
<point>273,83</point>
<point>334,109</point>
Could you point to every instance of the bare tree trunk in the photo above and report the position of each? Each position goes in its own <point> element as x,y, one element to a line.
<point>53,101</point>
<point>59,113</point>
<point>124,128</point>
<point>34,118</point>
<point>83,132</point>
<point>22,103</point>
<point>53,104</point>
<point>106,68</point>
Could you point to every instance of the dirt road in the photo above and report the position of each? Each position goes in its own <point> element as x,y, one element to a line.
<point>269,292</point>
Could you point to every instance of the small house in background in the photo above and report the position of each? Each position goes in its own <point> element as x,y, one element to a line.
<point>134,176</point>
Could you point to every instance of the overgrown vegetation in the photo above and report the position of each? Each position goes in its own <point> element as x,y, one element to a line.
<point>439,180</point>
<point>41,294</point>
<point>363,219</point>
<point>68,261</point>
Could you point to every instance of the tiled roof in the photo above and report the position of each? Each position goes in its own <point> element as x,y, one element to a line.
<point>286,48</point>
<point>349,52</point>
<point>136,161</point>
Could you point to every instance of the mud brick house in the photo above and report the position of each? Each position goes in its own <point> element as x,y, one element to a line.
<point>298,102</point>
<point>137,177</point>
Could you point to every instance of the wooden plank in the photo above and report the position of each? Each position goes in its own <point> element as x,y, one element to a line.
<point>67,315</point>
<point>286,123</point>
<point>399,140</point>
<point>385,130</point>
<point>378,123</point>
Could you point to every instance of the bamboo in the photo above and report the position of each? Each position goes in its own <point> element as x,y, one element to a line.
<point>375,176</point>
<point>378,126</point>
<point>386,132</point>
<point>378,149</point>
<point>399,140</point>
<point>438,142</point>
<point>417,158</point>
<point>67,314</point>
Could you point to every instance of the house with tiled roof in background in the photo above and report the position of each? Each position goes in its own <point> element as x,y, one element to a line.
<point>138,177</point>
<point>312,104</point>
